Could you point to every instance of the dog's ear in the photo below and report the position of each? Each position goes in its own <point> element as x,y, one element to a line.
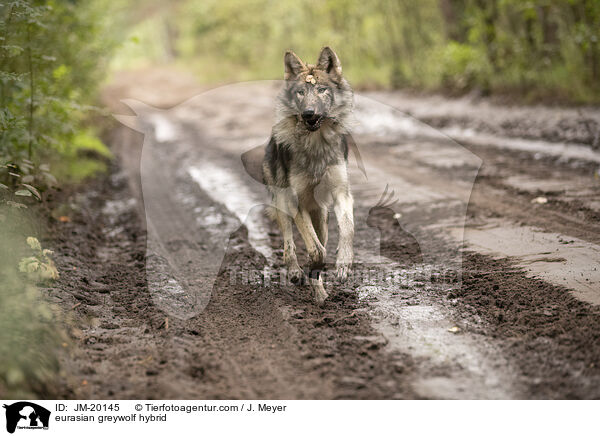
<point>329,62</point>
<point>252,161</point>
<point>293,65</point>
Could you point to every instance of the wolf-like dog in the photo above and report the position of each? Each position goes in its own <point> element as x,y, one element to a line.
<point>305,164</point>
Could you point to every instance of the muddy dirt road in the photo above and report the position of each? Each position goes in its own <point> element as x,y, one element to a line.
<point>480,281</point>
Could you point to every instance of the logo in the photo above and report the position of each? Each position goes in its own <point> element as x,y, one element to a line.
<point>26,415</point>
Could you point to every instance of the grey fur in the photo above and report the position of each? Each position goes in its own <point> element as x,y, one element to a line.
<point>305,165</point>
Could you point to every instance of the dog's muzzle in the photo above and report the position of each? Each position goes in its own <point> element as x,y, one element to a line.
<point>312,120</point>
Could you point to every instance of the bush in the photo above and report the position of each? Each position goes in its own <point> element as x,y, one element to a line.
<point>30,328</point>
<point>462,67</point>
<point>53,55</point>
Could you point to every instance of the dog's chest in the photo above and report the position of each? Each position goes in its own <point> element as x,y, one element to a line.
<point>314,155</point>
<point>322,189</point>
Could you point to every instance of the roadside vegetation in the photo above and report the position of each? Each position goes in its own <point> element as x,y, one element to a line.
<point>53,56</point>
<point>539,49</point>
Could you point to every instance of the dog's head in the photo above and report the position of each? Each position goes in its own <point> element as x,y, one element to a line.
<point>316,94</point>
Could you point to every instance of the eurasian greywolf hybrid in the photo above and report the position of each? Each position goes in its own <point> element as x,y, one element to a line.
<point>305,164</point>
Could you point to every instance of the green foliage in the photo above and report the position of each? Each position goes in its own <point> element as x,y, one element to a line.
<point>28,340</point>
<point>40,266</point>
<point>461,66</point>
<point>87,141</point>
<point>83,156</point>
<point>538,48</point>
<point>30,332</point>
<point>52,58</point>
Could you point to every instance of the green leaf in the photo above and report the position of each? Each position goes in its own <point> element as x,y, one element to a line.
<point>33,190</point>
<point>34,243</point>
<point>29,264</point>
<point>60,72</point>
<point>23,193</point>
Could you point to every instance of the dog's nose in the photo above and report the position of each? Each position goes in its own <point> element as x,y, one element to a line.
<point>308,114</point>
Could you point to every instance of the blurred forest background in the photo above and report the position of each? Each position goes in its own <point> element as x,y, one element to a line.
<point>55,56</point>
<point>532,49</point>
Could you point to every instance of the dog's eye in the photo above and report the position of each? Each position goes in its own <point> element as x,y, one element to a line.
<point>321,89</point>
<point>300,93</point>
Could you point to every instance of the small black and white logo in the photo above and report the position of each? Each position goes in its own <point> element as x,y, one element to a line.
<point>26,415</point>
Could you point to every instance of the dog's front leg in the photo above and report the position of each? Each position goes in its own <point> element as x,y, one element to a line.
<point>343,208</point>
<point>316,253</point>
<point>289,248</point>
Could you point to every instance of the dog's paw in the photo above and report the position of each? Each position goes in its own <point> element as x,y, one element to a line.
<point>342,270</point>
<point>343,263</point>
<point>319,293</point>
<point>343,267</point>
<point>295,274</point>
